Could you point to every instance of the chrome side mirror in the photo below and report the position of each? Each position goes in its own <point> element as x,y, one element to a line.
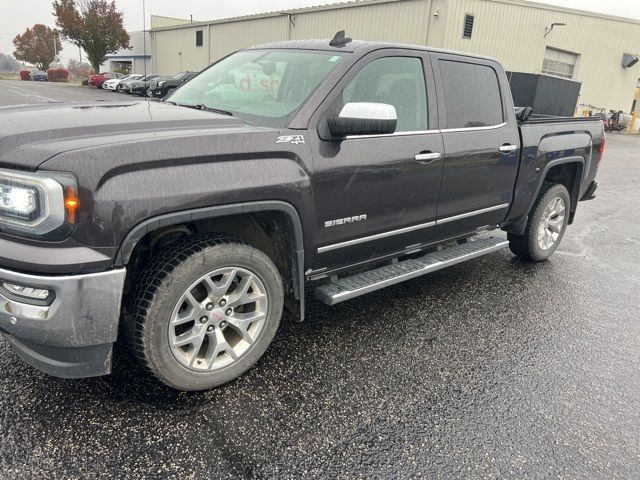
<point>364,118</point>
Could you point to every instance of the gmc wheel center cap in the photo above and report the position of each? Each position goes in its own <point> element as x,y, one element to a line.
<point>217,315</point>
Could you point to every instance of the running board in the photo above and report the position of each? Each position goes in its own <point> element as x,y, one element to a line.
<point>347,288</point>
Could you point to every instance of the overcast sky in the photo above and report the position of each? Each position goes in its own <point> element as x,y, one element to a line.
<point>17,15</point>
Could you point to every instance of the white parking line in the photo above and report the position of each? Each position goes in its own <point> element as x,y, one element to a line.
<point>28,94</point>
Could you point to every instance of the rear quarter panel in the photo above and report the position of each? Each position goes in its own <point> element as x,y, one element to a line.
<point>545,145</point>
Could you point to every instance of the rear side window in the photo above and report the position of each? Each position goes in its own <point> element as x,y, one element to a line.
<point>471,95</point>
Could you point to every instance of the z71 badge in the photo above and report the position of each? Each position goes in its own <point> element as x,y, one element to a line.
<point>295,139</point>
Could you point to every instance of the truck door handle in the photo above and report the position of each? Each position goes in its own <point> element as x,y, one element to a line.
<point>508,148</point>
<point>425,158</point>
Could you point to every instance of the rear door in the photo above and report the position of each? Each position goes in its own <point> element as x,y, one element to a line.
<point>481,144</point>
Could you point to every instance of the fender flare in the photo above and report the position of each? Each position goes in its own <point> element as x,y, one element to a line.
<point>517,225</point>
<point>577,182</point>
<point>297,275</point>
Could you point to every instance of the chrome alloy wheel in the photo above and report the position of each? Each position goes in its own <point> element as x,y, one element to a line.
<point>551,223</point>
<point>217,319</point>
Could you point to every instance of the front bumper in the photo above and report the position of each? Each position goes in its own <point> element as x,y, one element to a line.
<point>71,337</point>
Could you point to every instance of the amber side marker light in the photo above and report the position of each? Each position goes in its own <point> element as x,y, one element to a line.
<point>71,204</point>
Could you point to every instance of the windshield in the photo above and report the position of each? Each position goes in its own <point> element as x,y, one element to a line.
<point>264,87</point>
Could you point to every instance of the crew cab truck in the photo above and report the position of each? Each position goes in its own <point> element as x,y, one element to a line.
<point>184,227</point>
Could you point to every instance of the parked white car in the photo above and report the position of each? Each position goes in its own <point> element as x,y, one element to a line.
<point>113,83</point>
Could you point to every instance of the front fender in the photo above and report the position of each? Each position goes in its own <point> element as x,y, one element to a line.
<point>175,218</point>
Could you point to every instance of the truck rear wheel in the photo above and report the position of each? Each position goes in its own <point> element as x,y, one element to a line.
<point>205,312</point>
<point>546,226</point>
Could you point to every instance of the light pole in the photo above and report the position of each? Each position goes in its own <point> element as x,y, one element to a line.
<point>144,39</point>
<point>55,46</point>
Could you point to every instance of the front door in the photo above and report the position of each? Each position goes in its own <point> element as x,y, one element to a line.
<point>376,195</point>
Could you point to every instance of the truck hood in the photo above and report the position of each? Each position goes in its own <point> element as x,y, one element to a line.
<point>30,135</point>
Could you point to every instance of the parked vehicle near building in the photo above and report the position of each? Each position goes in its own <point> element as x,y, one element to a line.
<point>125,85</point>
<point>100,78</point>
<point>140,86</point>
<point>162,86</point>
<point>339,167</point>
<point>112,84</point>
<point>38,76</point>
<point>618,121</point>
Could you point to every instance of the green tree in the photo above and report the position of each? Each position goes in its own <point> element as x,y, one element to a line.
<point>37,45</point>
<point>93,25</point>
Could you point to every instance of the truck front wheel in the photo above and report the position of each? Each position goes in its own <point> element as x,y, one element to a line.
<point>546,225</point>
<point>205,311</point>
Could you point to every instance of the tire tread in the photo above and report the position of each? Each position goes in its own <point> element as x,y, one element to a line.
<point>150,280</point>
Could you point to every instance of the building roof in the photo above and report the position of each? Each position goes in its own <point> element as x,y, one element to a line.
<point>354,3</point>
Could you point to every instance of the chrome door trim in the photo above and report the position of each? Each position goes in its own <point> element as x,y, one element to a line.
<point>377,236</point>
<point>473,213</point>
<point>469,129</point>
<point>394,134</point>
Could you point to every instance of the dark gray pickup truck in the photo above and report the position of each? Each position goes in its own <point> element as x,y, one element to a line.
<point>184,227</point>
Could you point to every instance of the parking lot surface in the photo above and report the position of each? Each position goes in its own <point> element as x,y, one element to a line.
<point>489,369</point>
<point>16,92</point>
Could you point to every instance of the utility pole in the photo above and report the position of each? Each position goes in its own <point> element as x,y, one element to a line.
<point>55,47</point>
<point>144,39</point>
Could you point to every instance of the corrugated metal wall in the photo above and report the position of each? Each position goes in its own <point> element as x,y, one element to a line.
<point>229,37</point>
<point>175,50</point>
<point>511,31</point>
<point>404,22</point>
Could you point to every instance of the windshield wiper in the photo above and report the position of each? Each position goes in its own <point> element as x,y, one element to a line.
<point>202,107</point>
<point>214,110</point>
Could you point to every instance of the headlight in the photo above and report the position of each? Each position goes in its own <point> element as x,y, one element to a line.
<point>37,205</point>
<point>160,84</point>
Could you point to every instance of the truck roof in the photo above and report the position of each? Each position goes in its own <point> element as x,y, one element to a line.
<point>355,46</point>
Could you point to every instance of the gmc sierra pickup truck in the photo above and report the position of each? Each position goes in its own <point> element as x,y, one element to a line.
<point>184,227</point>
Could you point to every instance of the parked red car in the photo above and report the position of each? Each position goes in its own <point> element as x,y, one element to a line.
<point>99,79</point>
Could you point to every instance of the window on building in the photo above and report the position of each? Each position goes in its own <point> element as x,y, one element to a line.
<point>199,37</point>
<point>467,29</point>
<point>471,95</point>
<point>397,81</point>
<point>559,63</point>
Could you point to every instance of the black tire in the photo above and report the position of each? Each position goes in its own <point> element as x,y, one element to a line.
<point>159,289</point>
<point>526,246</point>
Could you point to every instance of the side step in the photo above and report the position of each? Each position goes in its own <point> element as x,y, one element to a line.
<point>350,287</point>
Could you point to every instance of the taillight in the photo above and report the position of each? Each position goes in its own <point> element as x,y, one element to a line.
<point>601,147</point>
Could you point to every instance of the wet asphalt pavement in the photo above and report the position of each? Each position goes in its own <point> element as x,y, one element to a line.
<point>489,369</point>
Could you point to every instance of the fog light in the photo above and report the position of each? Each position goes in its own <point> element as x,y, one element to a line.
<point>27,292</point>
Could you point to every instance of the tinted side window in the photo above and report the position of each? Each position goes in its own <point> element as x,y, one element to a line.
<point>397,81</point>
<point>471,95</point>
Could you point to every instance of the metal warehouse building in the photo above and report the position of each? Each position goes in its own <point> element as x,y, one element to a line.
<point>582,46</point>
